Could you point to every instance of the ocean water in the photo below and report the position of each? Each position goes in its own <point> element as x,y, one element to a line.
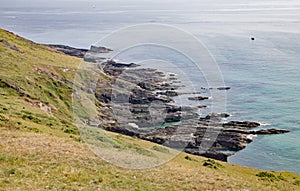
<point>264,74</point>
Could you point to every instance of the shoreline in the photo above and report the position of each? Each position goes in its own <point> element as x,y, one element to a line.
<point>232,136</point>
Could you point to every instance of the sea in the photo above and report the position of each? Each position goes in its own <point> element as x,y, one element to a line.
<point>263,72</point>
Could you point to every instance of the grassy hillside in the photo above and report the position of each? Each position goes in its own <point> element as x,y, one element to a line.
<point>41,149</point>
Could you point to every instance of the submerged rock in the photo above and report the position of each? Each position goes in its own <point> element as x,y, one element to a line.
<point>198,98</point>
<point>270,131</point>
<point>242,124</point>
<point>223,88</point>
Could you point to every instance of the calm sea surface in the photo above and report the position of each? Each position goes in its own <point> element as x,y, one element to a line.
<point>264,74</point>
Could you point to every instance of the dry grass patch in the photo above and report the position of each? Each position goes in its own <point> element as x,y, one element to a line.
<point>37,161</point>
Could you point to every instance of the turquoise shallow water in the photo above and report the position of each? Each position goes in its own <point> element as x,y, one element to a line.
<point>266,89</point>
<point>264,74</point>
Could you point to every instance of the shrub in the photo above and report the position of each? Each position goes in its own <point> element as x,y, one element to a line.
<point>144,152</point>
<point>3,118</point>
<point>297,182</point>
<point>269,176</point>
<point>212,164</point>
<point>78,139</point>
<point>31,118</point>
<point>33,129</point>
<point>70,131</point>
<point>10,172</point>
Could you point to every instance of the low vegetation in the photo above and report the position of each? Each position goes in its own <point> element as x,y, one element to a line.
<point>270,176</point>
<point>212,164</point>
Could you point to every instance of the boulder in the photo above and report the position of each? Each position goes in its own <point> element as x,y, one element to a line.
<point>209,154</point>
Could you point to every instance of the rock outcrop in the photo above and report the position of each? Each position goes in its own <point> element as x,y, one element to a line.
<point>10,46</point>
<point>77,52</point>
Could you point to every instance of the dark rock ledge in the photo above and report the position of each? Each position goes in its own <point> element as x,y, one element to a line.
<point>77,52</point>
<point>86,54</point>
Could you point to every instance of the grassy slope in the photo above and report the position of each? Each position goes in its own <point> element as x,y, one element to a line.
<point>40,150</point>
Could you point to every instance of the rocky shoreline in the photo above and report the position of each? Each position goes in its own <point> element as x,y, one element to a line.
<point>150,113</point>
<point>190,134</point>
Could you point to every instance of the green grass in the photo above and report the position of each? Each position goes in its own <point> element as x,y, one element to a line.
<point>42,150</point>
<point>160,149</point>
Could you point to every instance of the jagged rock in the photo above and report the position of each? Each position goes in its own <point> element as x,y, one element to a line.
<point>88,57</point>
<point>147,98</point>
<point>232,141</point>
<point>99,49</point>
<point>77,52</point>
<point>175,117</point>
<point>168,93</point>
<point>198,98</point>
<point>210,154</point>
<point>147,86</point>
<point>242,124</point>
<point>120,65</point>
<point>125,131</point>
<point>269,131</point>
<point>215,115</point>
<point>167,86</point>
<point>173,108</point>
<point>139,108</point>
<point>187,93</point>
